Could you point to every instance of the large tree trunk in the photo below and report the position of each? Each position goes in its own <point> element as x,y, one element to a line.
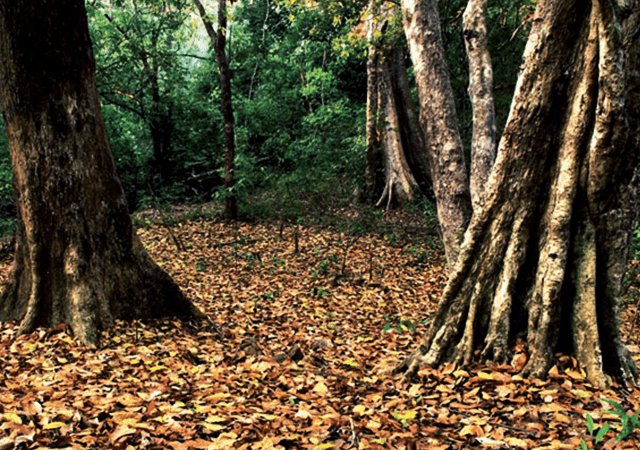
<point>218,40</point>
<point>439,122</point>
<point>483,142</point>
<point>77,259</point>
<point>394,138</point>
<point>544,257</point>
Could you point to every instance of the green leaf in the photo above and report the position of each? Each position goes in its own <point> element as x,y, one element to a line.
<point>602,432</point>
<point>618,407</point>
<point>583,445</point>
<point>590,424</point>
<point>623,434</point>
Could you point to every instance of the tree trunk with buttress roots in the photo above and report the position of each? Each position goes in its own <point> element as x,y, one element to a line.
<point>77,258</point>
<point>544,257</point>
<point>397,163</point>
<point>439,122</point>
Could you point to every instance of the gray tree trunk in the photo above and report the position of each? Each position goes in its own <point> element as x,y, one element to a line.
<point>545,257</point>
<point>439,122</point>
<point>483,143</point>
<point>77,258</point>
<point>397,163</point>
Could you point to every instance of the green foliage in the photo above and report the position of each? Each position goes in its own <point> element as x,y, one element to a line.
<point>299,94</point>
<point>320,292</point>
<point>161,128</point>
<point>628,423</point>
<point>420,256</point>
<point>399,324</point>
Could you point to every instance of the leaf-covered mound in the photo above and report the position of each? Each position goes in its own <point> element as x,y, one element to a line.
<point>299,358</point>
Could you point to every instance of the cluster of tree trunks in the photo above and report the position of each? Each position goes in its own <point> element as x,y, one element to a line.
<point>544,256</point>
<point>77,258</point>
<point>428,151</point>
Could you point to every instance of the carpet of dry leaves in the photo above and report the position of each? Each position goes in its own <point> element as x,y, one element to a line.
<point>300,358</point>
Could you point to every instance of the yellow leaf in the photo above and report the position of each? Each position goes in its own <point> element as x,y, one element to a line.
<point>53,426</point>
<point>268,416</point>
<point>580,393</point>
<point>351,363</point>
<point>325,446</point>
<point>576,375</point>
<point>156,368</point>
<point>472,430</point>
<point>303,414</point>
<point>373,425</point>
<point>128,422</point>
<point>213,426</point>
<point>215,419</point>
<point>414,390</point>
<point>13,417</point>
<point>515,442</point>
<point>359,409</point>
<point>321,388</point>
<point>562,418</point>
<point>407,415</point>
<point>485,375</point>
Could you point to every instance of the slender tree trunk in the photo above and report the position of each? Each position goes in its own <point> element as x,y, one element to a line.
<point>77,258</point>
<point>483,143</point>
<point>218,40</point>
<point>160,123</point>
<point>544,257</point>
<point>394,138</point>
<point>374,166</point>
<point>439,122</point>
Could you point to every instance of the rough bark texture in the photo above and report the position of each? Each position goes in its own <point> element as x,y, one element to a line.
<point>394,138</point>
<point>439,122</point>
<point>218,40</point>
<point>374,166</point>
<point>483,143</point>
<point>77,258</point>
<point>544,258</point>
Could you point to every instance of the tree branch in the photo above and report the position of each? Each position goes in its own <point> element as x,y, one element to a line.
<point>207,23</point>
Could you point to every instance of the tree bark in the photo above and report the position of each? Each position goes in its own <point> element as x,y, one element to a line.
<point>394,138</point>
<point>77,258</point>
<point>218,41</point>
<point>544,257</point>
<point>439,122</point>
<point>374,166</point>
<point>483,142</point>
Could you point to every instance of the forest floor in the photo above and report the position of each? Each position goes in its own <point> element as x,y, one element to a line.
<point>301,357</point>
